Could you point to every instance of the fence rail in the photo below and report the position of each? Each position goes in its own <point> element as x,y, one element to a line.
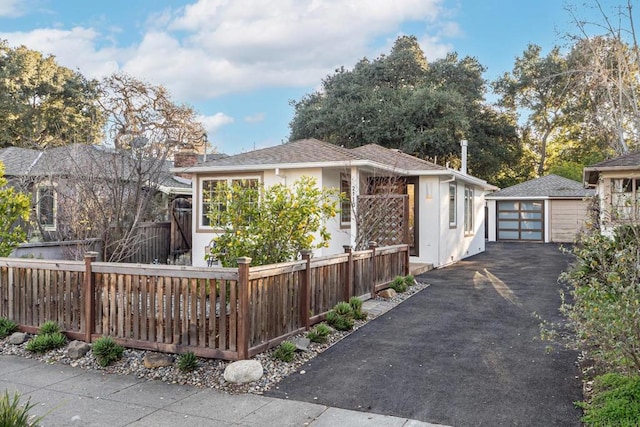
<point>226,313</point>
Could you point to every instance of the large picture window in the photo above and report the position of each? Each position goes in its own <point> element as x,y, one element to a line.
<point>210,190</point>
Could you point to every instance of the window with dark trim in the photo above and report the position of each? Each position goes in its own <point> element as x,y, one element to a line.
<point>345,201</point>
<point>46,207</point>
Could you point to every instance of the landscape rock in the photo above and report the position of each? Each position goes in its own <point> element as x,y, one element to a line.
<point>18,338</point>
<point>157,360</point>
<point>387,293</point>
<point>243,371</point>
<point>302,343</point>
<point>77,349</point>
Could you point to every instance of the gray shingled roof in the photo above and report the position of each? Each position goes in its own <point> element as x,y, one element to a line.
<point>300,151</point>
<point>546,186</point>
<point>18,161</point>
<point>624,162</point>
<point>631,159</point>
<point>394,158</point>
<point>316,151</point>
<point>69,158</point>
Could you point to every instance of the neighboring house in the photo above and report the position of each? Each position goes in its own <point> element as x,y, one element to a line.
<point>50,174</point>
<point>444,208</point>
<point>547,209</point>
<point>617,185</point>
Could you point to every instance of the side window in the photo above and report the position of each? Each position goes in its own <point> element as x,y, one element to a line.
<point>345,204</point>
<point>452,205</point>
<point>46,207</point>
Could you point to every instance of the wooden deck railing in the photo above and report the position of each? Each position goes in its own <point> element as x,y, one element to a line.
<point>226,313</point>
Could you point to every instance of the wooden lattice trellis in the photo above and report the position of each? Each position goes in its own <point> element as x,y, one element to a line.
<point>382,218</point>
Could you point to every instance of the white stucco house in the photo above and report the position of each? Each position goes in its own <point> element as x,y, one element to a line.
<point>445,206</point>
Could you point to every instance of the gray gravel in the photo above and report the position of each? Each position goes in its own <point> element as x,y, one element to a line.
<point>210,371</point>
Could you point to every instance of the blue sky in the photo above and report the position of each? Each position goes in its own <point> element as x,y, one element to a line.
<point>239,62</point>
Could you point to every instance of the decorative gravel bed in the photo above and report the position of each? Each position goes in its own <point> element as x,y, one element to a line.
<point>209,373</point>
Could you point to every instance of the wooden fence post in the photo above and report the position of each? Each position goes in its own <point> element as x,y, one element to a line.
<point>374,272</point>
<point>89,295</point>
<point>407,265</point>
<point>348,283</point>
<point>243,315</point>
<point>305,292</point>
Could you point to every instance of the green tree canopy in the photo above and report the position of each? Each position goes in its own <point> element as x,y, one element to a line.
<point>402,101</point>
<point>43,104</point>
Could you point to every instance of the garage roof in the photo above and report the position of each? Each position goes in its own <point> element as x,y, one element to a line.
<point>549,186</point>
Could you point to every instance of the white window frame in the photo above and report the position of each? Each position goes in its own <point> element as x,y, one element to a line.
<point>469,201</point>
<point>229,181</point>
<point>50,226</point>
<point>453,205</point>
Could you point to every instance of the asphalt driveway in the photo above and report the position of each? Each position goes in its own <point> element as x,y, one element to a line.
<point>463,352</point>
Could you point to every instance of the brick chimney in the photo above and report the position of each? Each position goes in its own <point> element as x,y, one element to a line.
<point>185,158</point>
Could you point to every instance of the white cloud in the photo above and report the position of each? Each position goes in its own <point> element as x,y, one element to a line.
<point>11,8</point>
<point>255,118</point>
<point>214,122</point>
<point>215,47</point>
<point>75,48</point>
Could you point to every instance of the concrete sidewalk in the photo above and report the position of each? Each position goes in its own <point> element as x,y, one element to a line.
<point>73,396</point>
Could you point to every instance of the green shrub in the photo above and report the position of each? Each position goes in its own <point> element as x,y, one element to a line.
<point>49,327</point>
<point>398,284</point>
<point>604,298</point>
<point>106,351</point>
<point>14,414</point>
<point>285,351</point>
<point>319,333</point>
<point>615,402</point>
<point>187,362</point>
<point>410,280</point>
<point>343,309</point>
<point>7,327</point>
<point>356,307</point>
<point>45,342</point>
<point>339,322</point>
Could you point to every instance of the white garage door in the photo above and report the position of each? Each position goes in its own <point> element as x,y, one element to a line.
<point>567,218</point>
<point>520,220</point>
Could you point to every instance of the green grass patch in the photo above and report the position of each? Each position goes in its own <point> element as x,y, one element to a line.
<point>615,401</point>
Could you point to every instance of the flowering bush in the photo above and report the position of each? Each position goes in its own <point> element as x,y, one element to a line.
<point>270,224</point>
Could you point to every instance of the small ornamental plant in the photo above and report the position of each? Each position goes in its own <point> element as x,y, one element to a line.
<point>341,317</point>
<point>319,334</point>
<point>356,306</point>
<point>399,284</point>
<point>7,327</point>
<point>106,351</point>
<point>49,338</point>
<point>187,362</point>
<point>16,414</point>
<point>285,352</point>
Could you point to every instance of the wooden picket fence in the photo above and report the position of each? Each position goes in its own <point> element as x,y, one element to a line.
<point>226,313</point>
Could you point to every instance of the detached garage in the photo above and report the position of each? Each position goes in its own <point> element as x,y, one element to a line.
<point>547,209</point>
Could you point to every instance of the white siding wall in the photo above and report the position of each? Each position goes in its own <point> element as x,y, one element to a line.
<point>439,243</point>
<point>327,179</point>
